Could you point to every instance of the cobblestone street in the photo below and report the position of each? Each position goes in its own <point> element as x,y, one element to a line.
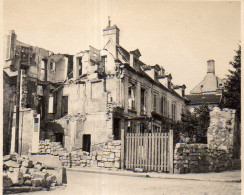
<point>102,184</point>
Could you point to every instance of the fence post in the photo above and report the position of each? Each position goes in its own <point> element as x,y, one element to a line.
<point>70,160</point>
<point>171,152</point>
<point>122,148</point>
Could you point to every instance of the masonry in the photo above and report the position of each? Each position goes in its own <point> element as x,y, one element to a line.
<point>219,154</point>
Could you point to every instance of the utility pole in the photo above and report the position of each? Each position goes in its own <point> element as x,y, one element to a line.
<point>17,109</point>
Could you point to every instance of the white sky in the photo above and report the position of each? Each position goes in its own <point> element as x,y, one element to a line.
<point>180,36</point>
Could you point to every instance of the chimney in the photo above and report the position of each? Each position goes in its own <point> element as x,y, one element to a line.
<point>211,67</point>
<point>111,32</point>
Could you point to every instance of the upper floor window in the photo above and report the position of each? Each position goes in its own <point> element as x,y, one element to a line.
<point>173,111</point>
<point>131,96</point>
<point>79,66</point>
<point>52,66</point>
<point>143,101</point>
<point>155,103</point>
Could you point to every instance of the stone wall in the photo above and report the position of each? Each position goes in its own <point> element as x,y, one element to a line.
<point>199,158</point>
<point>107,155</point>
<point>222,130</point>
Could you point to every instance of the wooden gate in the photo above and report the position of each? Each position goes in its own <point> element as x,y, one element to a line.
<point>150,151</point>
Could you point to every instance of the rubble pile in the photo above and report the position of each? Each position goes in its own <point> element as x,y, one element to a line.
<point>199,158</point>
<point>21,171</point>
<point>107,156</point>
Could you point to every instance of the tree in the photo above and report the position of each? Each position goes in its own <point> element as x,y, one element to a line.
<point>193,126</point>
<point>232,94</point>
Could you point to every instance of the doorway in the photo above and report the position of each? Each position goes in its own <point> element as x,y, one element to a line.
<point>116,128</point>
<point>86,142</point>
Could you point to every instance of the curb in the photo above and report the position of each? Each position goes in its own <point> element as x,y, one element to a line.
<point>148,175</point>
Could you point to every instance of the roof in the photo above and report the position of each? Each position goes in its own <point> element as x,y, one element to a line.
<point>204,99</point>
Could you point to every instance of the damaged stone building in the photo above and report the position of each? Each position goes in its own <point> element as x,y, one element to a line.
<point>88,98</point>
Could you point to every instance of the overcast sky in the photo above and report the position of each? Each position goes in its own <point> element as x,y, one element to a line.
<point>180,36</point>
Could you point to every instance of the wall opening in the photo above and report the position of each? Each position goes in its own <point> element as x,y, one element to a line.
<point>86,142</point>
<point>116,129</point>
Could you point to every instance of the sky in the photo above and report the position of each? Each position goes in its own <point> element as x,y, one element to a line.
<point>181,36</point>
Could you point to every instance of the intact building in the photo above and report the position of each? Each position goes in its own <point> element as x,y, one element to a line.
<point>98,95</point>
<point>209,91</point>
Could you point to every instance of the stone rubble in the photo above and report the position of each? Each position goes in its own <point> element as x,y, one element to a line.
<point>21,171</point>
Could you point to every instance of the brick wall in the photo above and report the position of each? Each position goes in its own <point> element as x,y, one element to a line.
<point>199,158</point>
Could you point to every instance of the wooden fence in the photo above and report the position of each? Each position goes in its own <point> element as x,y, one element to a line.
<point>150,151</point>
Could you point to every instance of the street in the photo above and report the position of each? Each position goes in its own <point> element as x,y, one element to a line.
<point>103,184</point>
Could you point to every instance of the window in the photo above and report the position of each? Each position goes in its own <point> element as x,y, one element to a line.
<point>80,66</point>
<point>52,66</point>
<point>173,112</point>
<point>103,64</point>
<point>143,101</point>
<point>131,96</point>
<point>51,104</point>
<point>155,103</point>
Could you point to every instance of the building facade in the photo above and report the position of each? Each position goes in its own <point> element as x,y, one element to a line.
<point>209,91</point>
<point>97,95</point>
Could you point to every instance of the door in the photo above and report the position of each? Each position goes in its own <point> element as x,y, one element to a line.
<point>86,142</point>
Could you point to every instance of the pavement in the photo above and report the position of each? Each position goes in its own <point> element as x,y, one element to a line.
<point>108,184</point>
<point>226,176</point>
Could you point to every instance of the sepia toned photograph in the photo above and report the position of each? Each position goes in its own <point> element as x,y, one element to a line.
<point>119,97</point>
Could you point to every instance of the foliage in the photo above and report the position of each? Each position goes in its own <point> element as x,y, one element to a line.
<point>193,126</point>
<point>232,94</point>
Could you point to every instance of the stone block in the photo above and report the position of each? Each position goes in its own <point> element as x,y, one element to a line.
<point>27,163</point>
<point>118,147</point>
<point>117,154</point>
<point>100,164</point>
<point>27,176</point>
<point>37,182</point>
<point>116,142</point>
<point>16,177</point>
<point>104,159</point>
<point>6,158</point>
<point>7,182</point>
<point>12,163</point>
<point>40,175</point>
<point>117,164</point>
<point>93,163</point>
<point>108,164</point>
<point>111,155</point>
<point>27,182</point>
<point>93,157</point>
<point>24,170</point>
<point>111,159</point>
<point>99,157</point>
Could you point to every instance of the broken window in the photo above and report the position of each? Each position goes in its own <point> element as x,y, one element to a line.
<point>103,63</point>
<point>143,101</point>
<point>80,65</point>
<point>50,104</point>
<point>52,66</point>
<point>131,96</point>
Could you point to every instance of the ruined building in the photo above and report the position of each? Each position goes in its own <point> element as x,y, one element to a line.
<point>209,91</point>
<point>88,98</point>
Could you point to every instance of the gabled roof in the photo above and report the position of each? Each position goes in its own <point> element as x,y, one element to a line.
<point>204,99</point>
<point>111,27</point>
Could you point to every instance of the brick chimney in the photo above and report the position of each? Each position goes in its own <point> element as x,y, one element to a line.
<point>211,67</point>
